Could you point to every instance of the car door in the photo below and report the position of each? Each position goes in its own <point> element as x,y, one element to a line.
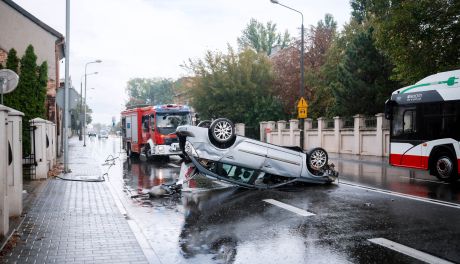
<point>283,162</point>
<point>247,153</point>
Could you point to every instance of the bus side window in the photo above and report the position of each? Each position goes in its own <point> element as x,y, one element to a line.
<point>152,122</point>
<point>409,125</point>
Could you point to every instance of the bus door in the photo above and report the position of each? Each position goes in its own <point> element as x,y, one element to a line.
<point>406,149</point>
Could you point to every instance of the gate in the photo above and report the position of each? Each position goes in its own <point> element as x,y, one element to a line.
<point>28,156</point>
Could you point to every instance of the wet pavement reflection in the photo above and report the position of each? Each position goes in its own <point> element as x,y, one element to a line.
<point>214,223</point>
<point>376,172</point>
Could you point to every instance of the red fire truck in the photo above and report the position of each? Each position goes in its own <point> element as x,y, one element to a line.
<point>150,130</point>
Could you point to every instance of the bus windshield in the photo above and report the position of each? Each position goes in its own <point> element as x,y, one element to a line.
<point>166,123</point>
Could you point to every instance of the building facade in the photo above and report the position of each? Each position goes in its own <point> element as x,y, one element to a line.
<point>20,29</point>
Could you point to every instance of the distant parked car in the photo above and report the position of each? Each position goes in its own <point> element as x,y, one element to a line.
<point>216,151</point>
<point>103,134</point>
<point>91,134</point>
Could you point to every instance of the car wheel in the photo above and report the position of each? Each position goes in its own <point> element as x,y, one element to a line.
<point>222,132</point>
<point>445,167</point>
<point>317,158</point>
<point>204,123</point>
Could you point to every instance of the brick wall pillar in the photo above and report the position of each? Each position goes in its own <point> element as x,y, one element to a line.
<point>321,124</point>
<point>239,129</point>
<point>359,121</point>
<point>281,125</point>
<point>337,126</point>
<point>379,134</point>
<point>271,127</point>
<point>293,126</point>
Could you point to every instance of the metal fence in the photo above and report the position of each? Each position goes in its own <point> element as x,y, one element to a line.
<point>348,122</point>
<point>252,132</point>
<point>329,123</point>
<point>370,122</point>
<point>314,124</point>
<point>28,156</point>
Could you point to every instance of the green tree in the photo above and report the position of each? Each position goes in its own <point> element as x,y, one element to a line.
<point>29,96</point>
<point>151,91</point>
<point>420,37</point>
<point>235,85</point>
<point>12,61</point>
<point>262,38</point>
<point>41,90</point>
<point>363,76</point>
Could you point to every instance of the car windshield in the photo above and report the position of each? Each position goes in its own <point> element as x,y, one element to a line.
<point>166,123</point>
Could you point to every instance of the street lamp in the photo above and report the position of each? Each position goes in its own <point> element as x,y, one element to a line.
<point>80,137</point>
<point>301,123</point>
<point>84,115</point>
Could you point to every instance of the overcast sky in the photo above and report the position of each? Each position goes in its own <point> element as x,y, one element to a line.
<point>152,38</point>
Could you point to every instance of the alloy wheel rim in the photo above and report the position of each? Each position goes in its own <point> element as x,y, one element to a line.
<point>318,159</point>
<point>223,130</point>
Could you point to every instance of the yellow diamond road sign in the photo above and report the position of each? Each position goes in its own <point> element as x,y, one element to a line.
<point>302,103</point>
<point>302,108</point>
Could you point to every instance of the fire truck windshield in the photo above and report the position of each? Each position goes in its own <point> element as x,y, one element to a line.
<point>167,123</point>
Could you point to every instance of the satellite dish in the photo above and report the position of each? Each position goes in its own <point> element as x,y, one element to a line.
<point>8,81</point>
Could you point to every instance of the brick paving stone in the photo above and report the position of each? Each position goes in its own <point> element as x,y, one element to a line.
<point>75,222</point>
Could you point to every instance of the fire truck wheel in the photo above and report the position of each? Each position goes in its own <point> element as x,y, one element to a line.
<point>445,167</point>
<point>129,153</point>
<point>222,133</point>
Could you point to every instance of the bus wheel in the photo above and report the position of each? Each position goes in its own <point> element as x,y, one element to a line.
<point>445,167</point>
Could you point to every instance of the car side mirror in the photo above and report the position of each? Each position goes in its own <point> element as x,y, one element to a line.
<point>389,109</point>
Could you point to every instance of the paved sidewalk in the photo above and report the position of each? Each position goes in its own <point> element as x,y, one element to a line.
<point>75,222</point>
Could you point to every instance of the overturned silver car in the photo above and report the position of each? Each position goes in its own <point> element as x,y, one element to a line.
<point>217,152</point>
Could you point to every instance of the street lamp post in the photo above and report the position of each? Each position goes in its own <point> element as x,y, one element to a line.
<point>84,115</point>
<point>80,137</point>
<point>302,92</point>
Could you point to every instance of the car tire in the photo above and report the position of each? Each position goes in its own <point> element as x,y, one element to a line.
<point>222,133</point>
<point>205,123</point>
<point>317,158</point>
<point>129,153</point>
<point>445,167</point>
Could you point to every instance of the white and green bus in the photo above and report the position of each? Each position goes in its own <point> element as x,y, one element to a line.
<point>425,125</point>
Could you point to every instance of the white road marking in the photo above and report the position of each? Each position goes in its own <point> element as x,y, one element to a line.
<point>408,196</point>
<point>289,207</point>
<point>422,256</point>
<point>173,165</point>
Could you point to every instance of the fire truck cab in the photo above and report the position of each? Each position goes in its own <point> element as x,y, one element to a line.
<point>150,130</point>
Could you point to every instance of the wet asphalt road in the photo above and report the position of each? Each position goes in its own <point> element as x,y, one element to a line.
<point>214,223</point>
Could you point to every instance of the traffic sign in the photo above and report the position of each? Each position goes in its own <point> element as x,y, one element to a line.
<point>302,108</point>
<point>302,113</point>
<point>302,103</point>
<point>74,98</point>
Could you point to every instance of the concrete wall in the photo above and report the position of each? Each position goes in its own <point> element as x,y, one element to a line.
<point>366,136</point>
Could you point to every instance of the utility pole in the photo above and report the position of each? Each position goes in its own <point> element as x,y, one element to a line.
<point>66,88</point>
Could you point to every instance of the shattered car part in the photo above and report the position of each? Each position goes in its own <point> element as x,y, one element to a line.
<point>219,153</point>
